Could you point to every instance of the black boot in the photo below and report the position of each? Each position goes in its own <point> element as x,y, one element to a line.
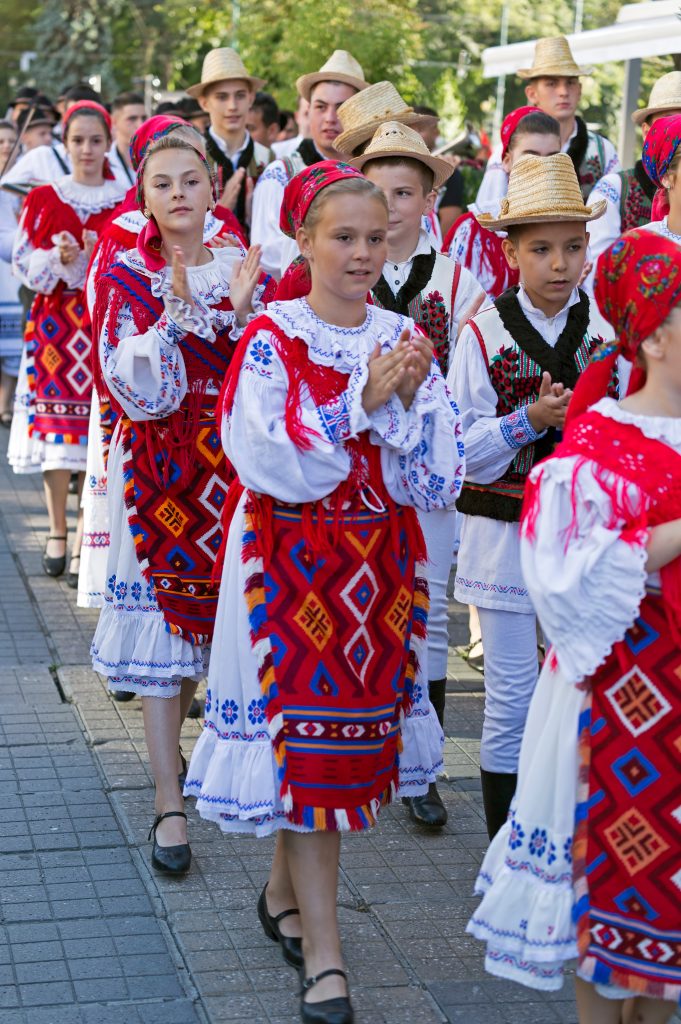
<point>498,789</point>
<point>428,809</point>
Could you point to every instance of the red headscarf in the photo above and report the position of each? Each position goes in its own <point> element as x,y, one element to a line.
<point>78,108</point>
<point>304,188</point>
<point>638,283</point>
<point>661,144</point>
<point>511,122</point>
<point>150,131</point>
<point>149,239</point>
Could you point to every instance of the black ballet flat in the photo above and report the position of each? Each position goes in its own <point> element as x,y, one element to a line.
<point>54,566</point>
<point>329,1011</point>
<point>428,809</point>
<point>291,948</point>
<point>182,777</point>
<point>171,860</point>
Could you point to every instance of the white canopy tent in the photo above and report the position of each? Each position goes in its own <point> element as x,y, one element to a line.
<point>651,29</point>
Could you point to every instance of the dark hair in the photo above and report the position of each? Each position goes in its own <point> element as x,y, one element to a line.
<point>34,116</point>
<point>514,231</point>
<point>26,92</point>
<point>537,123</point>
<point>85,112</point>
<point>80,91</point>
<point>419,108</point>
<point>284,117</point>
<point>8,124</point>
<point>267,105</point>
<point>424,172</point>
<point>126,99</point>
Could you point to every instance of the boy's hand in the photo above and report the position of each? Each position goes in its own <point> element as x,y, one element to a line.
<point>418,362</point>
<point>385,374</point>
<point>550,408</point>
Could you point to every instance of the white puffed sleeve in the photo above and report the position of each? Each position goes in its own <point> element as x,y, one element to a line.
<point>42,269</point>
<point>585,577</point>
<point>606,229</point>
<point>491,441</point>
<point>429,471</point>
<point>145,373</point>
<point>277,250</point>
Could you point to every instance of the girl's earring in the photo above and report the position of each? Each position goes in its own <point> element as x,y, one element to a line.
<point>146,212</point>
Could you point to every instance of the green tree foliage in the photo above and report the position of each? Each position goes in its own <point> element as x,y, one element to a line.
<point>74,41</point>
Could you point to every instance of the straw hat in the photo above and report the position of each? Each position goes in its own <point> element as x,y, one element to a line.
<point>664,95</point>
<point>553,57</point>
<point>395,139</point>
<point>221,65</point>
<point>340,67</point>
<point>361,115</point>
<point>542,189</point>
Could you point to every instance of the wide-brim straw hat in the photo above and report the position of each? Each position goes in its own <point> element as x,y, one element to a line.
<point>553,58</point>
<point>665,95</point>
<point>363,114</point>
<point>340,67</point>
<point>223,65</point>
<point>542,189</point>
<point>395,139</point>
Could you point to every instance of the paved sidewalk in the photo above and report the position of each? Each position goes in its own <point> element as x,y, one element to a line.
<point>89,934</point>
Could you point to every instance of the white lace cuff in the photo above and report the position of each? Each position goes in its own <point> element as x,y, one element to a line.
<point>73,274</point>
<point>188,319</point>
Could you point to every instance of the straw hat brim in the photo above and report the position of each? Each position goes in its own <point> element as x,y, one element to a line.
<point>554,71</point>
<point>349,140</point>
<point>305,83</point>
<point>195,91</point>
<point>639,116</point>
<point>588,213</point>
<point>442,170</point>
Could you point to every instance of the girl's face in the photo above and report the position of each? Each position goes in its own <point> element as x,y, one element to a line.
<point>177,191</point>
<point>348,245</point>
<point>7,140</point>
<point>86,143</point>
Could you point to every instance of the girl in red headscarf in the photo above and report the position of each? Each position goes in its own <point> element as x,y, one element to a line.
<point>587,864</point>
<point>662,162</point>
<point>167,315</point>
<point>59,225</point>
<point>338,423</point>
<point>120,234</point>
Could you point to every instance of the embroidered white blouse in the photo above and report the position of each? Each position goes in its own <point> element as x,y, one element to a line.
<point>147,374</point>
<point>42,269</point>
<point>421,450</point>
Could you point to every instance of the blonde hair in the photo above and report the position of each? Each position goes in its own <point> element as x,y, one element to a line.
<point>348,186</point>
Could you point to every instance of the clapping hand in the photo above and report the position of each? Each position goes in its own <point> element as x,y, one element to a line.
<point>89,241</point>
<point>385,375</point>
<point>550,408</point>
<point>69,250</point>
<point>230,194</point>
<point>180,281</point>
<point>242,285</point>
<point>418,362</point>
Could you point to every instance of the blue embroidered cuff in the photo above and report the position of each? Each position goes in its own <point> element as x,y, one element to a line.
<point>516,429</point>
<point>335,419</point>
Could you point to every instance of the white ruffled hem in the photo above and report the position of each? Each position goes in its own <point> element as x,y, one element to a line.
<point>421,760</point>
<point>138,644</point>
<point>526,910</point>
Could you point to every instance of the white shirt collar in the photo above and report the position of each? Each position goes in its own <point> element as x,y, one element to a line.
<point>537,314</point>
<point>222,145</point>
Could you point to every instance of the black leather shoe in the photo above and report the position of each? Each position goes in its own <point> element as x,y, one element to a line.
<point>122,696</point>
<point>329,1011</point>
<point>172,860</point>
<point>196,709</point>
<point>71,576</point>
<point>427,809</point>
<point>54,566</point>
<point>291,948</point>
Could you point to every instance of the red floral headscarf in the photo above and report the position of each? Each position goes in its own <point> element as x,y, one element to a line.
<point>78,108</point>
<point>661,143</point>
<point>304,188</point>
<point>638,283</point>
<point>511,122</point>
<point>150,131</point>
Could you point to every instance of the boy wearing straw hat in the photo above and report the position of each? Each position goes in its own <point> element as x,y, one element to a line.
<point>226,92</point>
<point>553,85</point>
<point>629,194</point>
<point>438,294</point>
<point>325,91</point>
<point>514,368</point>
